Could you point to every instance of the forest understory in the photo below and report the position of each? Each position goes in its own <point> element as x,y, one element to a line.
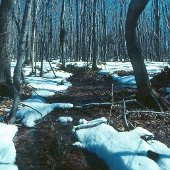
<point>48,146</point>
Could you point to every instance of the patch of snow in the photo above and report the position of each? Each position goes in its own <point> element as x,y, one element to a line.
<point>43,93</point>
<point>109,68</point>
<point>8,167</point>
<point>7,148</point>
<point>47,87</point>
<point>130,80</point>
<point>78,144</point>
<point>82,121</point>
<point>77,64</point>
<point>164,151</point>
<point>36,107</point>
<point>27,70</point>
<point>167,90</point>
<point>104,72</point>
<point>64,119</point>
<point>142,132</point>
<point>58,73</point>
<point>125,80</point>
<point>37,111</point>
<point>123,150</point>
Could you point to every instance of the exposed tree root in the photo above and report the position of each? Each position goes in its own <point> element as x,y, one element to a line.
<point>153,100</point>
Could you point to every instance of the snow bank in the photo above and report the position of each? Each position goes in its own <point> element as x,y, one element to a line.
<point>123,150</point>
<point>111,67</point>
<point>58,74</point>
<point>65,119</point>
<point>47,87</point>
<point>7,148</point>
<point>128,80</point>
<point>8,167</point>
<point>35,109</point>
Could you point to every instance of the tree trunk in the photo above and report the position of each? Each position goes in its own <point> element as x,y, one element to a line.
<point>146,94</point>
<point>62,34</point>
<point>5,29</point>
<point>33,31</point>
<point>94,41</point>
<point>157,31</point>
<point>18,67</point>
<point>77,31</point>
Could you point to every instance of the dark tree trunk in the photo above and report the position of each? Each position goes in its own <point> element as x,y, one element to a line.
<point>77,32</point>
<point>62,34</point>
<point>157,31</point>
<point>146,94</point>
<point>5,29</point>
<point>18,67</point>
<point>94,41</point>
<point>33,30</point>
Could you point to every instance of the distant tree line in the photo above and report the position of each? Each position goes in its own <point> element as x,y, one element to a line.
<point>90,30</point>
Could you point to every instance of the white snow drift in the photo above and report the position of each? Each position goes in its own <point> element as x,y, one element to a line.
<point>47,86</point>
<point>7,148</point>
<point>36,109</point>
<point>123,150</point>
<point>65,119</point>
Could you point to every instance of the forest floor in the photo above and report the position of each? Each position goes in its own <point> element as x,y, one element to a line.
<point>48,146</point>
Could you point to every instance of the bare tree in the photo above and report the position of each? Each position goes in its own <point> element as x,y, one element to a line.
<point>33,52</point>
<point>157,30</point>
<point>5,28</point>
<point>20,60</point>
<point>94,32</point>
<point>146,93</point>
<point>62,34</point>
<point>77,30</point>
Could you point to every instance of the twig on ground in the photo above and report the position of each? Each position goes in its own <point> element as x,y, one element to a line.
<point>85,126</point>
<point>106,104</point>
<point>163,114</point>
<point>112,104</point>
<point>35,91</point>
<point>31,108</point>
<point>124,115</point>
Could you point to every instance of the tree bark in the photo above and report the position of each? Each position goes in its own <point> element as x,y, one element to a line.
<point>62,34</point>
<point>5,29</point>
<point>33,41</point>
<point>157,31</point>
<point>146,93</point>
<point>94,41</point>
<point>18,68</point>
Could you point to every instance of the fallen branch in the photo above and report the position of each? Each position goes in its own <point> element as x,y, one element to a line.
<point>124,115</point>
<point>167,114</point>
<point>107,104</point>
<point>31,108</point>
<point>34,89</point>
<point>112,105</point>
<point>88,125</point>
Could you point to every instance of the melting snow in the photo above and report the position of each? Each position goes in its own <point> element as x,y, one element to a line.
<point>36,109</point>
<point>123,150</point>
<point>64,119</point>
<point>47,87</point>
<point>7,148</point>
